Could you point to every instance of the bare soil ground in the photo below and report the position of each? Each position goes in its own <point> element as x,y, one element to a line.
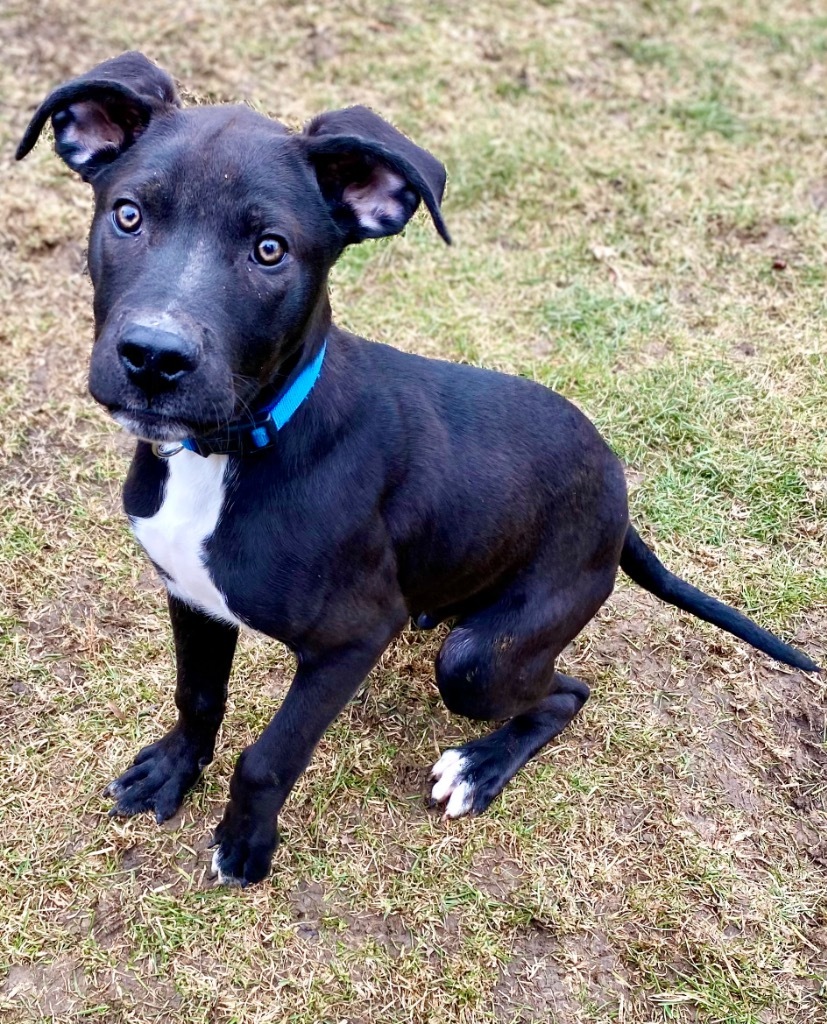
<point>638,197</point>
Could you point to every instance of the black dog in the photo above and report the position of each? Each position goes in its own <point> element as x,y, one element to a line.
<point>297,480</point>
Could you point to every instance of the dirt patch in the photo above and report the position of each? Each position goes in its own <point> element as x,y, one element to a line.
<point>532,986</point>
<point>497,874</point>
<point>550,979</point>
<point>128,988</point>
<point>764,231</point>
<point>111,918</point>
<point>728,712</point>
<point>55,989</point>
<point>320,919</point>
<point>390,932</point>
<point>764,236</point>
<point>744,350</point>
<point>63,989</point>
<point>309,908</point>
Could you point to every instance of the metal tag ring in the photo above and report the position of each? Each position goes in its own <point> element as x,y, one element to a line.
<point>166,449</point>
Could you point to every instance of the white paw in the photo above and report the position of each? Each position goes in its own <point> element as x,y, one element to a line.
<point>451,785</point>
<point>223,879</point>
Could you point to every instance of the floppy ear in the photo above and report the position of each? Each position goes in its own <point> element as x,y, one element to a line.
<point>100,114</point>
<point>371,176</point>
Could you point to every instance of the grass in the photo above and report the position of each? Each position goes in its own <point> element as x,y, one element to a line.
<point>637,194</point>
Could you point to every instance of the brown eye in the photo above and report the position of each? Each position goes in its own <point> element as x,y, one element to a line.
<point>127,217</point>
<point>269,251</point>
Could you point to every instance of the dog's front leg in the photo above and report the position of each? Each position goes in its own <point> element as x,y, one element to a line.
<point>163,772</point>
<point>266,771</point>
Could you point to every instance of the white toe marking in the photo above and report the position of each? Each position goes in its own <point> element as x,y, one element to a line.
<point>451,759</point>
<point>223,879</point>
<point>451,784</point>
<point>442,789</point>
<point>460,801</point>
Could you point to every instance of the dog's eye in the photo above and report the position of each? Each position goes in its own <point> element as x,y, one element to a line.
<point>127,216</point>
<point>269,251</point>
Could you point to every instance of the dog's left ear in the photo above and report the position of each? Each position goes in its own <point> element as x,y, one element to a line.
<point>371,176</point>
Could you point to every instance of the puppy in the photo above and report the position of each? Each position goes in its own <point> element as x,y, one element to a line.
<point>297,480</point>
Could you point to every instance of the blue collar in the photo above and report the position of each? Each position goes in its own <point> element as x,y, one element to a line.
<point>261,430</point>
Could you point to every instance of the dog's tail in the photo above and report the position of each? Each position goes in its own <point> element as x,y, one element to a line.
<point>642,565</point>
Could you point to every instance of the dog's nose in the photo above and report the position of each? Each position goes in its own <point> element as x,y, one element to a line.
<point>156,360</point>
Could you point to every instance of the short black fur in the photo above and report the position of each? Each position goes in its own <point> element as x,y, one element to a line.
<point>403,488</point>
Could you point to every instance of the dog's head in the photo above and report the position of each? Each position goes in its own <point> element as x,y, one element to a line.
<point>213,235</point>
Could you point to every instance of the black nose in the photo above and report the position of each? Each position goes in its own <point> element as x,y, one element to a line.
<point>156,360</point>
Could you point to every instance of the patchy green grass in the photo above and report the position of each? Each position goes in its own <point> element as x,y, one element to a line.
<point>637,195</point>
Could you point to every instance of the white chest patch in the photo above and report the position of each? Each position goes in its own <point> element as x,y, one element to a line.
<point>174,537</point>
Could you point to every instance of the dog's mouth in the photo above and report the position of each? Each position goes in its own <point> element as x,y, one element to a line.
<point>150,426</point>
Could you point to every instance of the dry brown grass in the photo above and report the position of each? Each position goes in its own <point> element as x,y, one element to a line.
<point>637,195</point>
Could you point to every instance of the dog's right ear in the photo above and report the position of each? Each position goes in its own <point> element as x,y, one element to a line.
<point>100,114</point>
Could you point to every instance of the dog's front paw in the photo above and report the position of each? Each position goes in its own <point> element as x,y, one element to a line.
<point>242,859</point>
<point>159,777</point>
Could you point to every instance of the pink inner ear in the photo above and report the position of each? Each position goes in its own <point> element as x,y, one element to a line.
<point>373,200</point>
<point>92,130</point>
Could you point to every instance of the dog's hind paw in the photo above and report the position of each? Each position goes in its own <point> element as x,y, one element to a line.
<point>453,785</point>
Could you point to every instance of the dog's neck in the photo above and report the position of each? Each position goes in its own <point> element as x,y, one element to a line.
<point>305,349</point>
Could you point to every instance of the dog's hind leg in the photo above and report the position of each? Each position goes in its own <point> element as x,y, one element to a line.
<point>499,663</point>
<point>468,778</point>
